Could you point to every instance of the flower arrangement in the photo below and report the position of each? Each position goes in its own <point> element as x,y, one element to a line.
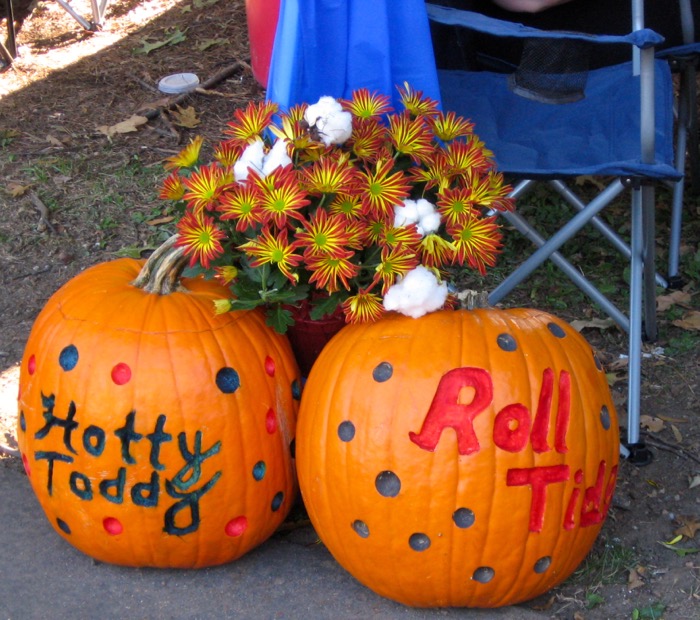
<point>343,206</point>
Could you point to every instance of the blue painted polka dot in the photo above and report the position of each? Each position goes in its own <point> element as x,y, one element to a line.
<point>277,501</point>
<point>22,421</point>
<point>296,390</point>
<point>259,470</point>
<point>68,358</point>
<point>227,380</point>
<point>63,526</point>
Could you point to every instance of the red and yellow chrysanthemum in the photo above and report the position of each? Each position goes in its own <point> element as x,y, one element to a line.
<point>270,248</point>
<point>477,242</point>
<point>200,237</point>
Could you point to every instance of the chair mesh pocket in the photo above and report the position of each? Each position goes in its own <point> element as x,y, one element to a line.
<point>551,70</point>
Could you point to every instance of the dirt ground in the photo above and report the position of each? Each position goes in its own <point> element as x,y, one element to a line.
<point>77,188</point>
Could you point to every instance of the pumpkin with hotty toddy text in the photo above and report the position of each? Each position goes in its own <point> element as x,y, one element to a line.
<point>465,458</point>
<point>153,431</point>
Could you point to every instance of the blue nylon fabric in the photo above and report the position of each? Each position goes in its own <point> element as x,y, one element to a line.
<point>482,23</point>
<point>575,138</point>
<point>332,47</point>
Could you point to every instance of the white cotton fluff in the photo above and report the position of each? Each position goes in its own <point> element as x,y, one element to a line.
<point>277,157</point>
<point>254,156</point>
<point>333,124</point>
<point>420,212</point>
<point>418,293</point>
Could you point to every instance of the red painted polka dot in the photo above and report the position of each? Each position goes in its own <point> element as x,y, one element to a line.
<point>31,365</point>
<point>578,476</point>
<point>271,421</point>
<point>121,374</point>
<point>236,527</point>
<point>112,526</point>
<point>25,462</point>
<point>270,366</point>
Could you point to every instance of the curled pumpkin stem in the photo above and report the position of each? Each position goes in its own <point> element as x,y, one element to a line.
<point>163,269</point>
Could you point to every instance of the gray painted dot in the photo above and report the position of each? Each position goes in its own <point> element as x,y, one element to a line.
<point>361,528</point>
<point>388,484</point>
<point>605,417</point>
<point>463,517</point>
<point>346,431</point>
<point>543,564</point>
<point>419,542</point>
<point>382,372</point>
<point>483,574</point>
<point>506,342</point>
<point>556,330</point>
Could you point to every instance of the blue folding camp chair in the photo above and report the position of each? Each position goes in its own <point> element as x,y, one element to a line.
<point>551,119</point>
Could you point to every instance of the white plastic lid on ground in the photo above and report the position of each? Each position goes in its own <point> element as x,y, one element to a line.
<point>178,83</point>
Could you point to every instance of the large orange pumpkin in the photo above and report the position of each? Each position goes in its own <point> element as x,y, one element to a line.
<point>466,458</point>
<point>154,432</point>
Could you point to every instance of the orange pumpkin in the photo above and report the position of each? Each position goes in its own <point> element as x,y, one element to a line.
<point>466,458</point>
<point>154,432</point>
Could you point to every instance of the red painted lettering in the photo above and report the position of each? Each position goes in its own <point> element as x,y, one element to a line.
<point>538,478</point>
<point>563,412</point>
<point>511,428</point>
<point>446,410</point>
<point>592,511</point>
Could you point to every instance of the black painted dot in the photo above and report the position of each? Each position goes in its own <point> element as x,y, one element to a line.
<point>277,501</point>
<point>483,574</point>
<point>542,564</point>
<point>463,517</point>
<point>383,372</point>
<point>259,470</point>
<point>419,542</point>
<point>63,526</point>
<point>361,528</point>
<point>605,417</point>
<point>346,431</point>
<point>556,330</point>
<point>388,484</point>
<point>22,421</point>
<point>293,448</point>
<point>227,380</point>
<point>68,358</point>
<point>296,389</point>
<point>506,342</point>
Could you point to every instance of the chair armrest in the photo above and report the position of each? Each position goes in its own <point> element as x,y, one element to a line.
<point>482,23</point>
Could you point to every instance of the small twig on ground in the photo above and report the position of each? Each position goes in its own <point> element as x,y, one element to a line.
<point>44,218</point>
<point>677,450</point>
<point>226,72</point>
<point>29,274</point>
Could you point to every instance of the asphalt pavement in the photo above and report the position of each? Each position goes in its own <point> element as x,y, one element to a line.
<point>290,576</point>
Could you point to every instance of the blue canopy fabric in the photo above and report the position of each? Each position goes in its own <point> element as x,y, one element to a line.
<point>332,47</point>
<point>574,138</point>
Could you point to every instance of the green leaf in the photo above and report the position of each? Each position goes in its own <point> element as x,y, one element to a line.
<point>279,319</point>
<point>173,37</point>
<point>325,306</point>
<point>205,45</point>
<point>654,611</point>
<point>593,600</point>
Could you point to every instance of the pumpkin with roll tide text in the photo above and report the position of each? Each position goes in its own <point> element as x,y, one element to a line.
<point>465,458</point>
<point>153,431</point>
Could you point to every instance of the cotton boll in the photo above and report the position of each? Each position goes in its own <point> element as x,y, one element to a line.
<point>276,158</point>
<point>252,157</point>
<point>418,293</point>
<point>406,214</point>
<point>429,223</point>
<point>333,124</point>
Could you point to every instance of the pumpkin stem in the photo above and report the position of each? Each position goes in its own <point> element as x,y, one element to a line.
<point>470,299</point>
<point>162,271</point>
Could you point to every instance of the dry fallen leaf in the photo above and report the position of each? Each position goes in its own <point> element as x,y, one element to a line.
<point>128,126</point>
<point>690,321</point>
<point>694,481</point>
<point>593,324</point>
<point>160,220</point>
<point>15,189</point>
<point>634,579</point>
<point>652,423</point>
<point>689,525</point>
<point>676,433</point>
<point>185,117</point>
<point>664,302</point>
